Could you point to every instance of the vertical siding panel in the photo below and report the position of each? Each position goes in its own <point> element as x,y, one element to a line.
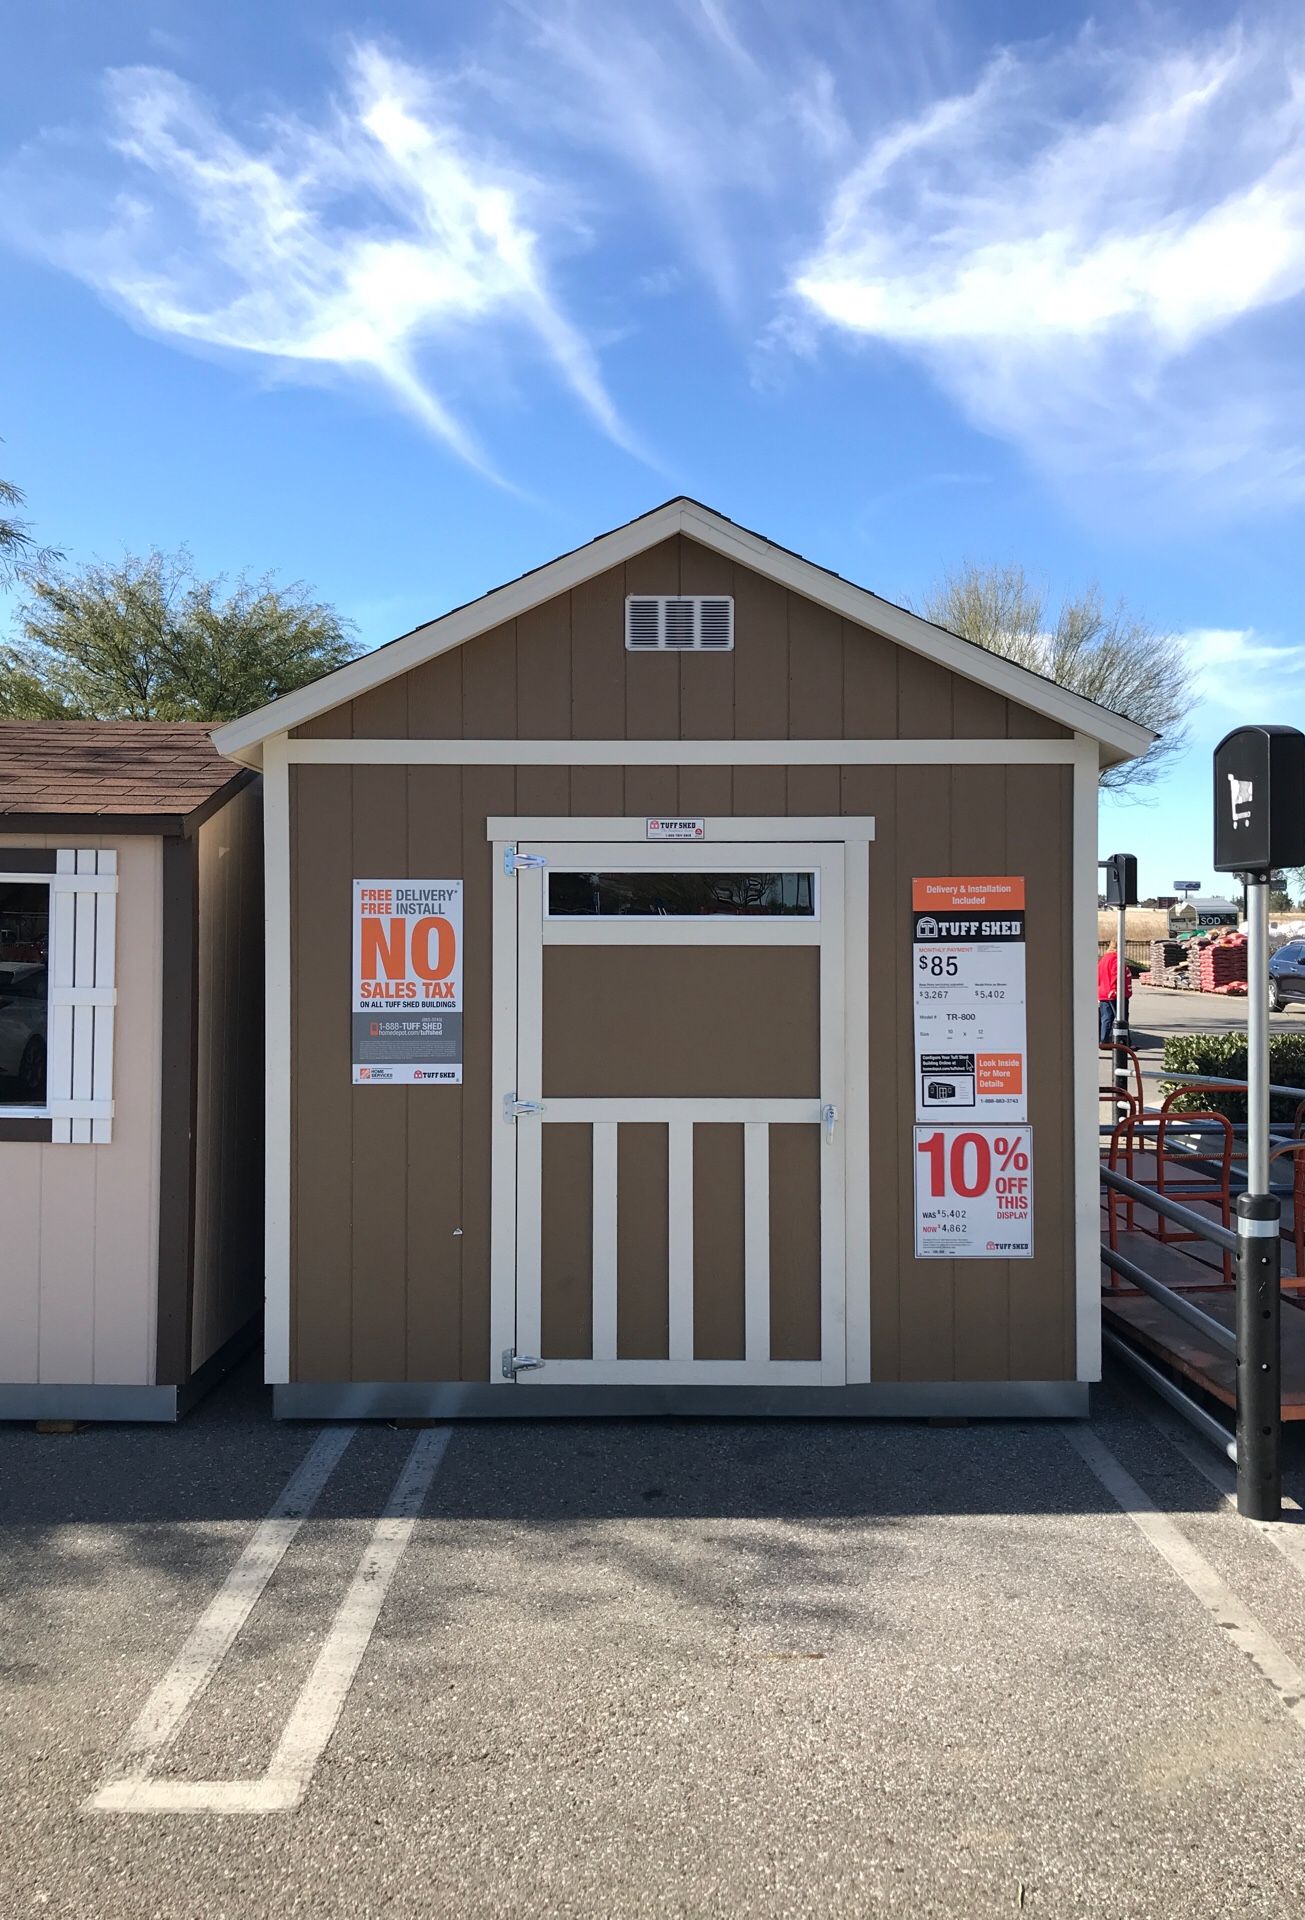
<point>544,702</point>
<point>706,790</point>
<point>652,680</point>
<point>68,1265</point>
<point>924,698</point>
<point>977,712</point>
<point>760,792</point>
<point>761,650</point>
<point>125,1174</point>
<point>815,671</point>
<point>544,671</point>
<point>382,713</point>
<point>598,793</point>
<point>380,1119</point>
<point>983,1286</point>
<point>869,684</point>
<point>435,698</point>
<point>598,657</point>
<point>649,791</point>
<point>707,680</point>
<point>323,1258</point>
<point>1023,724</point>
<point>434,1175</point>
<point>485,791</point>
<point>566,1251</point>
<point>814,789</point>
<point>489,685</point>
<point>928,1349</point>
<point>873,791</point>
<point>643,1243</point>
<point>1039,845</point>
<point>718,1277</point>
<point>20,1271</point>
<point>335,725</point>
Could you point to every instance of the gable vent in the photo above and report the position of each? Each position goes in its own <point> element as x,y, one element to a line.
<point>684,623</point>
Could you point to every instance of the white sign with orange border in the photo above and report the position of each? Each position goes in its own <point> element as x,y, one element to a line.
<point>407,983</point>
<point>971,1029</point>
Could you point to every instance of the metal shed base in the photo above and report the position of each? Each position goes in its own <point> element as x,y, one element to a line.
<point>889,1399</point>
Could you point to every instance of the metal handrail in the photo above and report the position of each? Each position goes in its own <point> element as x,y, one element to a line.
<point>1213,1330</point>
<point>1226,1086</point>
<point>1172,1209</point>
<point>1183,1403</point>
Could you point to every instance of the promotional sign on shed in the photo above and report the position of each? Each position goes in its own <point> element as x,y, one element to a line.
<point>971,1038</point>
<point>973,1193</point>
<point>407,983</point>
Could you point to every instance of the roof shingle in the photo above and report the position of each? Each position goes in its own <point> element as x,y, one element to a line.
<point>109,766</point>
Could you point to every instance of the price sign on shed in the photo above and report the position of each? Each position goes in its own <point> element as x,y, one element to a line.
<point>973,1193</point>
<point>967,962</point>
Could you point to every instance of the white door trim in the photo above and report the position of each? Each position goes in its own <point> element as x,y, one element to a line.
<point>726,830</point>
<point>520,932</point>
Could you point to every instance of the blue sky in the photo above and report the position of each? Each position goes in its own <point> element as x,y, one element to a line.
<point>403,300</point>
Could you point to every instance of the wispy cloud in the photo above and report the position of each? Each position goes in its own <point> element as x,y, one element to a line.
<point>1243,677</point>
<point>1072,244</point>
<point>361,242</point>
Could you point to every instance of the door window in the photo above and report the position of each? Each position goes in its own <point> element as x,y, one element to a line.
<point>682,896</point>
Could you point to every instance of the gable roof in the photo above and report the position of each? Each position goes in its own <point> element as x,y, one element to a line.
<point>1118,738</point>
<point>122,768</point>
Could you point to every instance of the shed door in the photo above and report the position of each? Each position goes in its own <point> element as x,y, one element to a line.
<point>680,1207</point>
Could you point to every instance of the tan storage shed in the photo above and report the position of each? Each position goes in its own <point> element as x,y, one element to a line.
<point>672,973</point>
<point>131,1067</point>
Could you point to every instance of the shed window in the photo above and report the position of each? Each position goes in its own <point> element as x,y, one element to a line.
<point>680,623</point>
<point>682,896</point>
<point>24,991</point>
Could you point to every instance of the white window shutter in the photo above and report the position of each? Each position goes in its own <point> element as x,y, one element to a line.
<point>83,935</point>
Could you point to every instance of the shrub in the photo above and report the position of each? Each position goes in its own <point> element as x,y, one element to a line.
<point>1224,1056</point>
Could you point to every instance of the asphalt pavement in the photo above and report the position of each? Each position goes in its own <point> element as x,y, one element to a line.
<point>636,1667</point>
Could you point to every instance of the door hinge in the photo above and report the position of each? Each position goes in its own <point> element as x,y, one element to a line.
<point>514,861</point>
<point>515,1363</point>
<point>514,1108</point>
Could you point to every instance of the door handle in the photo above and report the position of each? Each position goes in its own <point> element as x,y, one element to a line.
<point>829,1119</point>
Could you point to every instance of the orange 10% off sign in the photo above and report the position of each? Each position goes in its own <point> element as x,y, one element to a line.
<point>973,1193</point>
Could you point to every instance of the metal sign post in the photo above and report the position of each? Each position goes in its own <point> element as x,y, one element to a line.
<point>1121,893</point>
<point>1259,1248</point>
<point>1259,824</point>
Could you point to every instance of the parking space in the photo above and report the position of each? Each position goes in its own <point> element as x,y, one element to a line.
<point>631,1667</point>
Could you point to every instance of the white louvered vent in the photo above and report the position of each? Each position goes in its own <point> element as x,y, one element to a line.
<point>682,623</point>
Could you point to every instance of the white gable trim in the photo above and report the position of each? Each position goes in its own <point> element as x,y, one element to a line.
<point>242,739</point>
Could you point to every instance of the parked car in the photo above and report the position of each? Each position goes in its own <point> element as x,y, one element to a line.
<point>24,992</point>
<point>1287,974</point>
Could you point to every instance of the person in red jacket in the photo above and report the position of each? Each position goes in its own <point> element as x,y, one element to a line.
<point>1107,988</point>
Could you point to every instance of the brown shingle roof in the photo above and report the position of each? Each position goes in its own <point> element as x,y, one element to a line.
<point>109,766</point>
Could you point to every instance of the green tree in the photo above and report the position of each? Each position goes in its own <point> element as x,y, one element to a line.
<point>1106,654</point>
<point>18,548</point>
<point>148,639</point>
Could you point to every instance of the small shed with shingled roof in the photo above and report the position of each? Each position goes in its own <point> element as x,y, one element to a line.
<point>131,1056</point>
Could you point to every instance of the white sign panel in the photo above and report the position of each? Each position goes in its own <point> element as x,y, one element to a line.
<point>973,1193</point>
<point>407,983</point>
<point>971,1036</point>
<point>663,829</point>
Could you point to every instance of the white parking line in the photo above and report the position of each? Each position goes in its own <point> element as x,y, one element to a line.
<point>170,1704</point>
<point>1287,1535</point>
<point>1196,1573</point>
<point>313,1718</point>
